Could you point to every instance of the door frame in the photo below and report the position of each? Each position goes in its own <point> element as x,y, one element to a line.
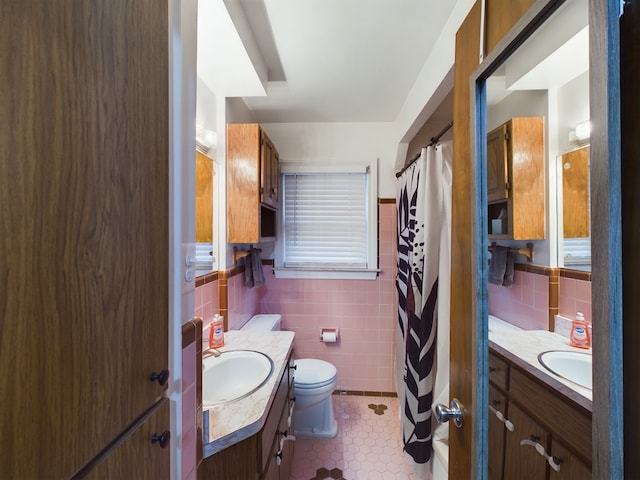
<point>607,423</point>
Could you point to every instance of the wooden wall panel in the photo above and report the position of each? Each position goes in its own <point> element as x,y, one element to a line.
<point>502,15</point>
<point>463,349</point>
<point>84,160</point>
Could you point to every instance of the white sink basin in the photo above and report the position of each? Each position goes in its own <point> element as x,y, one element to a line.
<point>574,366</point>
<point>233,375</point>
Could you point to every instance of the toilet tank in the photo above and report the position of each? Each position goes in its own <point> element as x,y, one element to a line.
<point>263,322</point>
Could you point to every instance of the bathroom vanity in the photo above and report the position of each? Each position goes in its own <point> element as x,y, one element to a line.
<point>539,424</point>
<point>250,438</point>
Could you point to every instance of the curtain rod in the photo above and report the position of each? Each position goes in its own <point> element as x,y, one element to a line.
<point>434,141</point>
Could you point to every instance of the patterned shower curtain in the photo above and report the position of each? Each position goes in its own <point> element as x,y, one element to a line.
<point>421,215</point>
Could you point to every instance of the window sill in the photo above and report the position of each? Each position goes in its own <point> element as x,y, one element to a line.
<point>327,274</point>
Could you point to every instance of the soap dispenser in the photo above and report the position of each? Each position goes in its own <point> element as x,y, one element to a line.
<point>580,336</point>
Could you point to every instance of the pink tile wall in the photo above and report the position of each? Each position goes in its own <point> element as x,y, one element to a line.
<point>365,311</point>
<point>574,296</point>
<point>243,302</point>
<point>207,302</point>
<point>524,304</point>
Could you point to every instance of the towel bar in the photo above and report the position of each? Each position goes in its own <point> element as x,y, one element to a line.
<point>238,254</point>
<point>527,252</point>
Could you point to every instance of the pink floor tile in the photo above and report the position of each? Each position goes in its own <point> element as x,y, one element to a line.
<point>368,445</point>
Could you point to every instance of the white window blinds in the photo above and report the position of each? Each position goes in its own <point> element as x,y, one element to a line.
<point>326,220</point>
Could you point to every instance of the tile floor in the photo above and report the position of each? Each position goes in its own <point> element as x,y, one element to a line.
<point>368,445</point>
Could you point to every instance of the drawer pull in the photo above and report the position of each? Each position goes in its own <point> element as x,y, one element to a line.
<point>492,369</point>
<point>162,440</point>
<point>502,418</point>
<point>161,377</point>
<point>553,462</point>
<point>278,458</point>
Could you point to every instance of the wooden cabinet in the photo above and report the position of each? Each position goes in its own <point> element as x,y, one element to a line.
<point>204,198</point>
<point>515,180</point>
<point>252,184</point>
<point>547,428</point>
<point>575,193</point>
<point>144,454</point>
<point>84,231</point>
<point>266,455</point>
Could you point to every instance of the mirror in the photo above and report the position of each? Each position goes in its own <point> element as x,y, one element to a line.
<point>548,76</point>
<point>206,181</point>
<point>574,239</point>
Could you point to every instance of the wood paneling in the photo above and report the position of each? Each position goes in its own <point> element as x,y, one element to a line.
<point>84,152</point>
<point>463,350</point>
<point>527,177</point>
<point>523,462</point>
<point>575,193</point>
<point>204,198</point>
<point>630,74</point>
<point>611,285</point>
<point>243,181</point>
<point>138,456</point>
<point>501,17</point>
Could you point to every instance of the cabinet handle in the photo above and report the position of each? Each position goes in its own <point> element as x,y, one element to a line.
<point>553,462</point>
<point>492,369</point>
<point>161,377</point>
<point>163,439</point>
<point>502,418</point>
<point>278,458</point>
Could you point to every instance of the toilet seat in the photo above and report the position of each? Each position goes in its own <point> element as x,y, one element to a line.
<point>313,373</point>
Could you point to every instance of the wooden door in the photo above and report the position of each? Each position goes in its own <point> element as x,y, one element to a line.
<point>497,170</point>
<point>84,157</point>
<point>144,454</point>
<point>463,345</point>
<point>630,103</point>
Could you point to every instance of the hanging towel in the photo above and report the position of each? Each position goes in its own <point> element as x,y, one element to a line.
<point>498,264</point>
<point>248,271</point>
<point>256,267</point>
<point>508,271</point>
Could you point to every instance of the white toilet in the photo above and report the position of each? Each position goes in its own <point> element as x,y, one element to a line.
<point>314,382</point>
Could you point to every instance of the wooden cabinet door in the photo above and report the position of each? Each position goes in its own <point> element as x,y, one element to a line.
<point>497,164</point>
<point>575,193</point>
<point>497,431</point>
<point>570,467</point>
<point>268,172</point>
<point>523,462</point>
<point>84,183</point>
<point>139,456</point>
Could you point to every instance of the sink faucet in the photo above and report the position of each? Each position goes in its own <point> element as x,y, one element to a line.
<point>211,352</point>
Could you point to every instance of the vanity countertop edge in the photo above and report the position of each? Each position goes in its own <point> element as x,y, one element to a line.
<point>521,349</point>
<point>230,423</point>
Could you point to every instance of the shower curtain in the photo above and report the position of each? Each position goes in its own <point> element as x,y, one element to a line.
<point>422,281</point>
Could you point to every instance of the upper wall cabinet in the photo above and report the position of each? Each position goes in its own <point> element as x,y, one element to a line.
<point>252,184</point>
<point>515,180</point>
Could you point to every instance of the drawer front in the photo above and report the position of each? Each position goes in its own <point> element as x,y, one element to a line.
<point>564,420</point>
<point>498,372</point>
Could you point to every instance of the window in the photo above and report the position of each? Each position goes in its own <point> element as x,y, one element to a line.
<point>328,227</point>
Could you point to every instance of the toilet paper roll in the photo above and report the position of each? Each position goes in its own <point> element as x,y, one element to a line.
<point>329,336</point>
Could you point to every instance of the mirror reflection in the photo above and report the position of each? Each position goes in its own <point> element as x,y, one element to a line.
<point>574,249</point>
<point>548,77</point>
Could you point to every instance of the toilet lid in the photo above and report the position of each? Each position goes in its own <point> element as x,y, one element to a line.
<point>310,371</point>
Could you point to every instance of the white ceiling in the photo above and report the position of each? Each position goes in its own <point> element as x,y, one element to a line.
<point>318,60</point>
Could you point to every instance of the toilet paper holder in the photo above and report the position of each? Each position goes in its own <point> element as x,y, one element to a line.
<point>329,335</point>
